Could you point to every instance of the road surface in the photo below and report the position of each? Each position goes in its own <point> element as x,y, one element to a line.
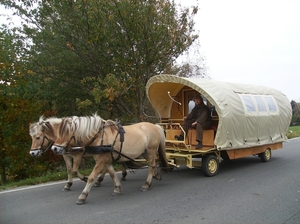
<point>244,191</point>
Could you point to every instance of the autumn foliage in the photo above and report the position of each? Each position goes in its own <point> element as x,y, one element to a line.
<point>81,57</point>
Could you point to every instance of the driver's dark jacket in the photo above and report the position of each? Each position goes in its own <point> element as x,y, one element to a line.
<point>200,113</point>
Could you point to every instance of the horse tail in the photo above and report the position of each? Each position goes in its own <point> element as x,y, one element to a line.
<point>162,151</point>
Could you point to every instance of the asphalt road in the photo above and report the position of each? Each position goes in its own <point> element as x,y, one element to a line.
<point>244,191</point>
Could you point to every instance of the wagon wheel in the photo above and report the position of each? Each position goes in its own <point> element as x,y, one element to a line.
<point>266,155</point>
<point>210,165</point>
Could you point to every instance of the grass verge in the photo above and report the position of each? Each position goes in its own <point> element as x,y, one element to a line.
<point>293,132</point>
<point>50,176</point>
<point>55,176</point>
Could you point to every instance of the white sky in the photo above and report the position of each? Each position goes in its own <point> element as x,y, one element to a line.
<point>254,42</point>
<point>251,41</point>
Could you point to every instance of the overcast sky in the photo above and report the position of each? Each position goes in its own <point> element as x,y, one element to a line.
<point>252,41</point>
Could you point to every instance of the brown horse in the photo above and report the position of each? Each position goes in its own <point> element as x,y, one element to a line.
<point>110,142</point>
<point>43,133</point>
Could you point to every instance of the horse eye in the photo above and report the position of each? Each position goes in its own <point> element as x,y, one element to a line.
<point>38,138</point>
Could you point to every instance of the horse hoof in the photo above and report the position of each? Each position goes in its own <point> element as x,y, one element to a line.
<point>146,186</point>
<point>97,184</point>
<point>115,193</point>
<point>66,189</point>
<point>117,190</point>
<point>144,189</point>
<point>123,178</point>
<point>157,177</point>
<point>80,201</point>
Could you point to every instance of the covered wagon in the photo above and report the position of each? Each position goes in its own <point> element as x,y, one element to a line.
<point>246,120</point>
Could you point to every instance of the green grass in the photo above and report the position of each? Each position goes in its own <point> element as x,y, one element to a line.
<point>51,176</point>
<point>55,176</point>
<point>293,132</point>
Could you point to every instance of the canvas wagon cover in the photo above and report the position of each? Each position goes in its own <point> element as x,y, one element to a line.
<point>237,128</point>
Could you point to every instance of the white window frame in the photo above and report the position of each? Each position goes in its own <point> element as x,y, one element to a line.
<point>253,109</point>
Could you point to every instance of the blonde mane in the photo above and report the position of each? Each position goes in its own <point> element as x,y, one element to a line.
<point>85,127</point>
<point>37,127</point>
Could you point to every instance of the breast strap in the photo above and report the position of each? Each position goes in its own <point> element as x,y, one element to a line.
<point>108,148</point>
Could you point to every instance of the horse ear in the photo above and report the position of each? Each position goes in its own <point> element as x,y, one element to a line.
<point>43,126</point>
<point>47,124</point>
<point>41,119</point>
<point>31,126</point>
<point>69,120</point>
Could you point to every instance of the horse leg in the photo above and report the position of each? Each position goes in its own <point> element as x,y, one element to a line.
<point>76,163</point>
<point>112,173</point>
<point>100,179</point>
<point>68,162</point>
<point>101,161</point>
<point>124,172</point>
<point>152,170</point>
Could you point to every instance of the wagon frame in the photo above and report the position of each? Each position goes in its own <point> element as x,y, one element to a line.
<point>247,120</point>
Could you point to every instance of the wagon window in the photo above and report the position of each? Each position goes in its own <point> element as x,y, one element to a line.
<point>260,103</point>
<point>271,103</point>
<point>248,102</point>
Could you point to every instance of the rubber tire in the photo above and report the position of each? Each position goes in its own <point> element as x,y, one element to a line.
<point>266,155</point>
<point>210,165</point>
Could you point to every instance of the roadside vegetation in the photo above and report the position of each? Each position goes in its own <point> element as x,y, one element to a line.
<point>47,177</point>
<point>58,174</point>
<point>293,132</point>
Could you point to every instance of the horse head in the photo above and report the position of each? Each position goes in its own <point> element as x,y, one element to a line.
<point>65,135</point>
<point>42,134</point>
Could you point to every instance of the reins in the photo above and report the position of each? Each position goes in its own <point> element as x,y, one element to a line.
<point>49,146</point>
<point>96,135</point>
<point>121,131</point>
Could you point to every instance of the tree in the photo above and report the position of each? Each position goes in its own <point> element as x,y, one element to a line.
<point>295,113</point>
<point>79,57</point>
<point>100,54</point>
<point>18,107</point>
<point>192,63</point>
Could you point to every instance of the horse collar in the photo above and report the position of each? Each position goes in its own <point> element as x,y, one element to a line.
<point>107,148</point>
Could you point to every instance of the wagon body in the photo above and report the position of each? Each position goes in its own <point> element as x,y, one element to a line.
<point>247,119</point>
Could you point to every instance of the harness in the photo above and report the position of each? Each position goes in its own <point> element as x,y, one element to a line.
<point>108,148</point>
<point>100,149</point>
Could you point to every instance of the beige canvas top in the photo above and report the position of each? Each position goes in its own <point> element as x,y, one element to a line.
<point>249,115</point>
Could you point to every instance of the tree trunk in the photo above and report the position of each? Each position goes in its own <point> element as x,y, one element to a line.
<point>3,175</point>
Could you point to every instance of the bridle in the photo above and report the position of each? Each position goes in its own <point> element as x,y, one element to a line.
<point>42,150</point>
<point>65,150</point>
